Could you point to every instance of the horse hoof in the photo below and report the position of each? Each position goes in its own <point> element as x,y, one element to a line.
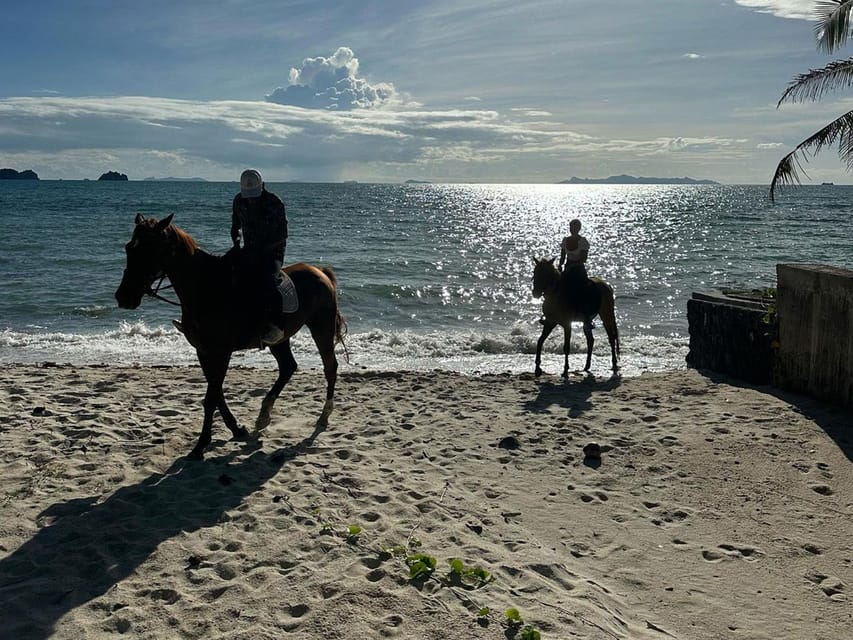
<point>327,411</point>
<point>537,372</point>
<point>242,435</point>
<point>195,455</point>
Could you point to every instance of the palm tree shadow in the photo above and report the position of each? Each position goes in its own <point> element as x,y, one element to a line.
<point>86,546</point>
<point>570,394</point>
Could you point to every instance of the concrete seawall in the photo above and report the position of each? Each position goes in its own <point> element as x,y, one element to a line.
<point>815,309</point>
<point>807,347</point>
<point>729,335</point>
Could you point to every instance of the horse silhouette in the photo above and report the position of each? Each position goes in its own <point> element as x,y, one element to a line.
<point>218,317</point>
<point>559,309</point>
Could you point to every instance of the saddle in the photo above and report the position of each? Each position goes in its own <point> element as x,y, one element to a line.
<point>287,291</point>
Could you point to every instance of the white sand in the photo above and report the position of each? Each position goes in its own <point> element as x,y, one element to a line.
<point>717,511</point>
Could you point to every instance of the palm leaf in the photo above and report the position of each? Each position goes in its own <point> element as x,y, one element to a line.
<point>789,168</point>
<point>833,27</point>
<point>815,83</point>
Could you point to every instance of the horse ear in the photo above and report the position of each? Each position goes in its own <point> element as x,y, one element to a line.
<point>535,260</point>
<point>165,222</point>
<point>139,219</point>
<point>552,259</point>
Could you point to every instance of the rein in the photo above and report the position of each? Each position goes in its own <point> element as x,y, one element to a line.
<point>154,293</point>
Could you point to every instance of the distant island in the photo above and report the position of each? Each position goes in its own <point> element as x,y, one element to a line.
<point>623,179</point>
<point>11,174</point>
<point>171,179</point>
<point>417,182</point>
<point>113,175</point>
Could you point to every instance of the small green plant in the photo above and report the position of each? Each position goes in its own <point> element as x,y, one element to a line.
<point>421,566</point>
<point>530,633</point>
<point>513,616</point>
<point>353,532</point>
<point>484,612</point>
<point>473,577</point>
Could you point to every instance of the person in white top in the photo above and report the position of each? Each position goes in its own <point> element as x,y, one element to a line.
<point>574,251</point>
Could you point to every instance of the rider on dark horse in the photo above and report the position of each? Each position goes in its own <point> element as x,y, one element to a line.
<point>574,251</point>
<point>260,217</point>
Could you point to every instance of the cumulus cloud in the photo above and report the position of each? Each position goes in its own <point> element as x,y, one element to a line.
<point>693,56</point>
<point>334,83</point>
<point>769,145</point>
<point>794,9</point>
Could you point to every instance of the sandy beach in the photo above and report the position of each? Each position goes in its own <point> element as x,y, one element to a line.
<point>714,511</point>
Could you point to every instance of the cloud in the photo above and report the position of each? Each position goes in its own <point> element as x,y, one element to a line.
<point>769,145</point>
<point>532,113</point>
<point>794,9</point>
<point>333,83</point>
<point>693,56</point>
<point>63,137</point>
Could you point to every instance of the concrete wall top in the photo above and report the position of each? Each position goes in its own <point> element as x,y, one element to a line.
<point>815,269</point>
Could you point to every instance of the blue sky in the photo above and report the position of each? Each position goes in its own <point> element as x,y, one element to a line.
<point>439,90</point>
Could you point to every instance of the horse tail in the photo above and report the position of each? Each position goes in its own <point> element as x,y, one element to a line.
<point>607,311</point>
<point>341,328</point>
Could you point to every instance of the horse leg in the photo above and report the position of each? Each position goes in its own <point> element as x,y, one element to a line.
<point>237,432</point>
<point>608,319</point>
<point>324,338</point>
<point>214,367</point>
<point>547,328</point>
<point>567,347</point>
<point>286,367</point>
<point>590,340</point>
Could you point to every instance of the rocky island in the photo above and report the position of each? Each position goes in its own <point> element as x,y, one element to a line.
<point>113,175</point>
<point>11,174</point>
<point>625,179</point>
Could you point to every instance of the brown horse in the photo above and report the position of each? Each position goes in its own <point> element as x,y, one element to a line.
<point>214,316</point>
<point>559,310</point>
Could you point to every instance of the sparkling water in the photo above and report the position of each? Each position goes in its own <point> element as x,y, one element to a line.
<point>430,276</point>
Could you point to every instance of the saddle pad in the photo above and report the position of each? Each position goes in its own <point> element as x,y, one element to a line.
<point>289,299</point>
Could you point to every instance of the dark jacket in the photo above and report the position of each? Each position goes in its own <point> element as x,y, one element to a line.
<point>264,225</point>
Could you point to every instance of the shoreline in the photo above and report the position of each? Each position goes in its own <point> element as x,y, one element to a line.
<point>715,509</point>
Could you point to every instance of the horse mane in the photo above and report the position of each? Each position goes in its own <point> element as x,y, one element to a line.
<point>184,240</point>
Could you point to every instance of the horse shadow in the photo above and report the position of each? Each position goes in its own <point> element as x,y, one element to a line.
<point>86,546</point>
<point>572,395</point>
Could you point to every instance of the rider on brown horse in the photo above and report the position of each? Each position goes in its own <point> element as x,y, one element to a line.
<point>574,251</point>
<point>261,217</point>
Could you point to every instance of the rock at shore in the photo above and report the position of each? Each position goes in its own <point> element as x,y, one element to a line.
<point>11,174</point>
<point>113,175</point>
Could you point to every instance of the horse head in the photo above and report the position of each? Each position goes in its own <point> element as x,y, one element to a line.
<point>545,276</point>
<point>147,254</point>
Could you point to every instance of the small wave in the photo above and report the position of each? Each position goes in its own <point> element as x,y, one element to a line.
<point>462,351</point>
<point>94,311</point>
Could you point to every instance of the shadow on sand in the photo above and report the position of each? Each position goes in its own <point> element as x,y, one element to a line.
<point>572,394</point>
<point>87,546</point>
<point>834,419</point>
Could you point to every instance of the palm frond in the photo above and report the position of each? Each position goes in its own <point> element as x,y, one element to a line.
<point>789,168</point>
<point>814,84</point>
<point>833,27</point>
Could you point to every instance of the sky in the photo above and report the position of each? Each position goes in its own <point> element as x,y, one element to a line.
<point>490,91</point>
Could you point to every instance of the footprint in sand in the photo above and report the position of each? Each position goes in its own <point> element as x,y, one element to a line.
<point>833,587</point>
<point>731,552</point>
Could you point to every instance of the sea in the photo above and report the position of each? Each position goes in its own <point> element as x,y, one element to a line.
<point>431,276</point>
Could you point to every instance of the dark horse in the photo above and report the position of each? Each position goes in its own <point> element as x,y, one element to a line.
<point>214,317</point>
<point>559,310</point>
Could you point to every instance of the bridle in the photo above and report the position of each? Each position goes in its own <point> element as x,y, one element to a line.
<point>154,293</point>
